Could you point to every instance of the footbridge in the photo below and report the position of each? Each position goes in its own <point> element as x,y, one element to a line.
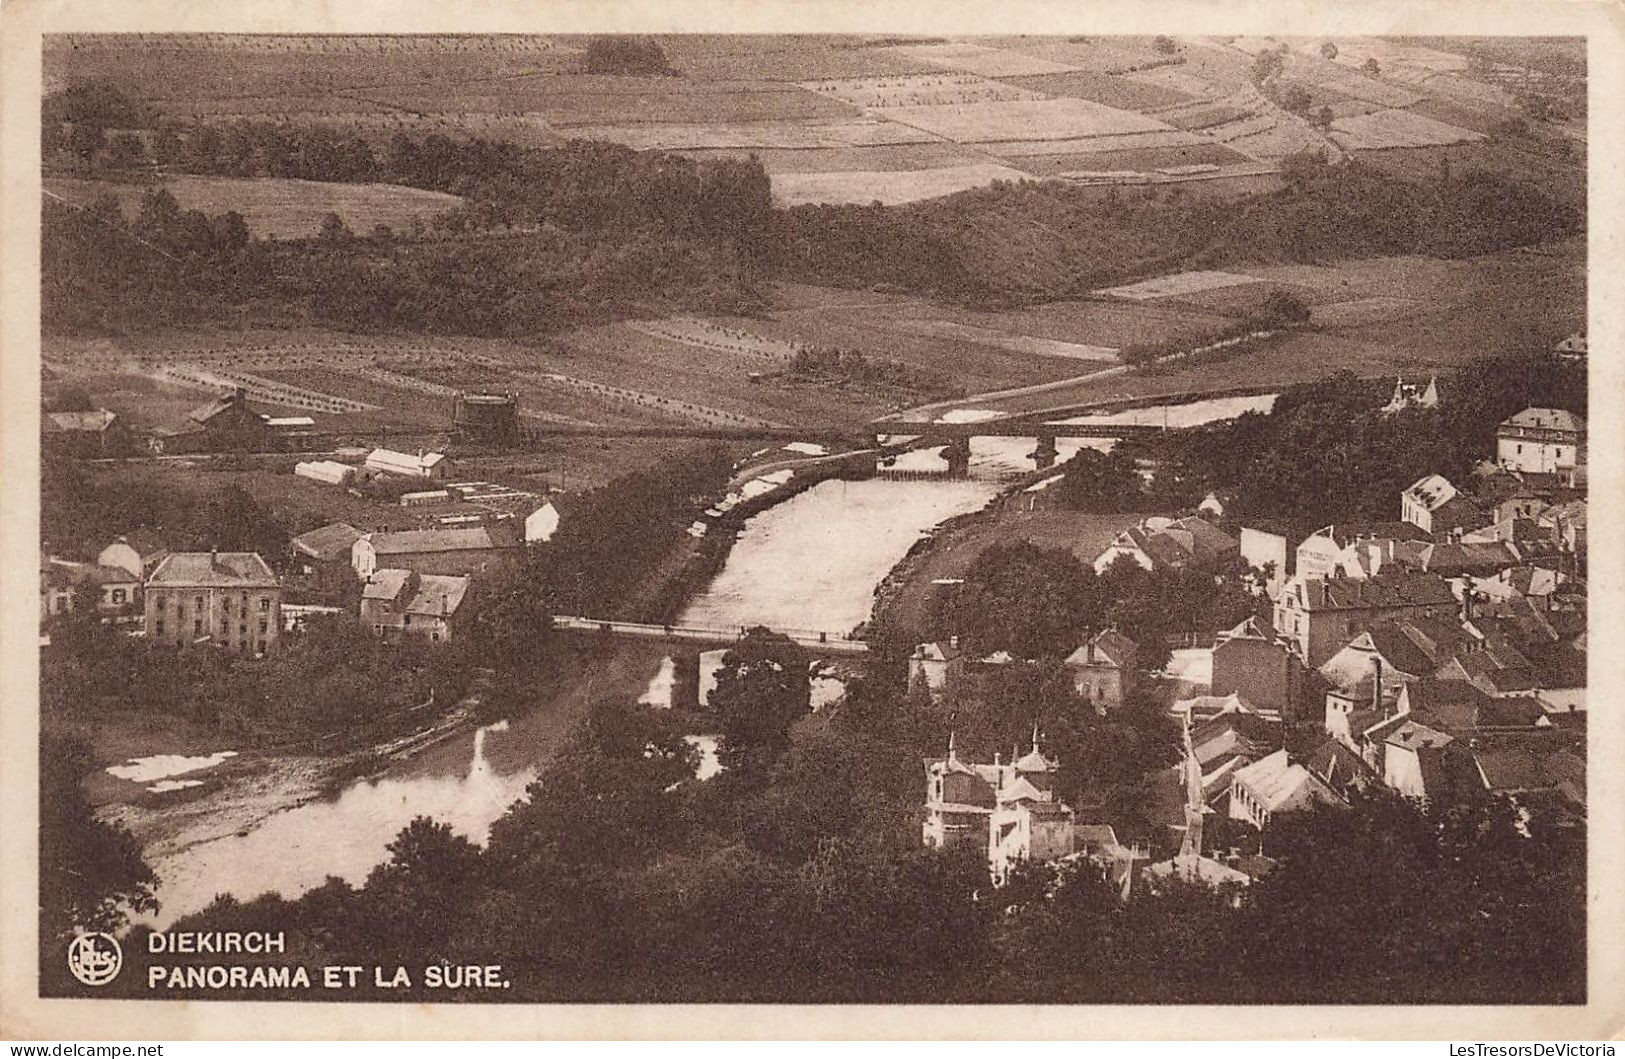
<point>705,636</point>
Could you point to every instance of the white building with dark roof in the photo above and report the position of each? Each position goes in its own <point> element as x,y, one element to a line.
<point>1542,440</point>
<point>432,465</point>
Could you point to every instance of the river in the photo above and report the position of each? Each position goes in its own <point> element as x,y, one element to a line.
<point>810,563</point>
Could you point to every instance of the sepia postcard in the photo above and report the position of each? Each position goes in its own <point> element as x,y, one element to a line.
<point>896,520</point>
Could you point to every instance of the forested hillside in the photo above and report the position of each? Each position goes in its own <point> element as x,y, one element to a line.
<point>553,237</point>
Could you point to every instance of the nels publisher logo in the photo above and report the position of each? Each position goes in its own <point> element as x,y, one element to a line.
<point>95,959</point>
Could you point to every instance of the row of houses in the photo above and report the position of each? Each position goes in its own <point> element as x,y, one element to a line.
<point>234,600</point>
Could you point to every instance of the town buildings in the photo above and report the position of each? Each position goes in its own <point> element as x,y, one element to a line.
<point>462,550</point>
<point>88,434</point>
<point>1544,440</point>
<point>1102,670</point>
<point>1318,615</point>
<point>1412,395</point>
<point>1169,544</point>
<point>400,605</point>
<point>434,466</point>
<point>934,666</point>
<point>1008,811</point>
<point>224,599</point>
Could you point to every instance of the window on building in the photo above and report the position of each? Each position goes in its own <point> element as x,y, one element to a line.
<point>265,602</point>
<point>434,636</point>
<point>197,627</point>
<point>242,630</point>
<point>160,627</point>
<point>263,626</point>
<point>180,611</point>
<point>197,601</point>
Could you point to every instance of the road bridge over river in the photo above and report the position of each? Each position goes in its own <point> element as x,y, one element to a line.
<point>693,635</point>
<point>1041,429</point>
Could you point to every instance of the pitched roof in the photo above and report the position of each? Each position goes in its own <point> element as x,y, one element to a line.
<point>228,400</point>
<point>1413,736</point>
<point>1431,492</point>
<point>936,652</point>
<point>94,421</point>
<point>438,595</point>
<point>1547,419</point>
<point>1107,648</point>
<point>330,543</point>
<point>1208,540</point>
<point>1383,591</point>
<point>403,462</point>
<point>213,570</point>
<point>1524,762</point>
<point>1278,782</point>
<point>450,539</point>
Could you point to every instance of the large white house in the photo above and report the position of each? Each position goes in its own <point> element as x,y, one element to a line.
<point>1543,440</point>
<point>433,465</point>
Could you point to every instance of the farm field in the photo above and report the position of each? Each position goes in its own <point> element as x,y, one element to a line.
<point>1397,128</point>
<point>1178,284</point>
<point>820,105</point>
<point>286,208</point>
<point>916,90</point>
<point>859,132</point>
<point>1124,91</point>
<point>1458,311</point>
<point>1038,347</point>
<point>1043,119</point>
<point>930,154</point>
<point>889,187</point>
<point>1145,159</point>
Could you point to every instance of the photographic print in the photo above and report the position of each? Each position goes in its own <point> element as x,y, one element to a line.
<point>825,518</point>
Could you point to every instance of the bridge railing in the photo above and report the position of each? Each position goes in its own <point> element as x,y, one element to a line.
<point>698,632</point>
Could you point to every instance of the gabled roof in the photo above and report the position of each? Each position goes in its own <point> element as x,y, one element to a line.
<point>1413,736</point>
<point>936,652</point>
<point>438,595</point>
<point>1278,782</point>
<point>93,422</point>
<point>1107,648</point>
<point>386,584</point>
<point>1383,591</point>
<point>1512,762</point>
<point>1547,419</point>
<point>1431,492</point>
<point>226,401</point>
<point>213,570</point>
<point>1456,557</point>
<point>1208,540</point>
<point>330,543</point>
<point>451,539</point>
<point>403,462</point>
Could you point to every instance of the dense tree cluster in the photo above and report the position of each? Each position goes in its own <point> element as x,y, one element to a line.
<point>1044,602</point>
<point>1035,241</point>
<point>625,55</point>
<point>82,509</point>
<point>334,678</point>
